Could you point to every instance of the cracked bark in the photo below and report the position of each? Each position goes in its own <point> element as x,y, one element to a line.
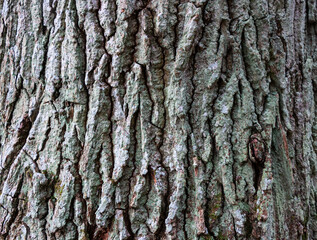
<point>158,119</point>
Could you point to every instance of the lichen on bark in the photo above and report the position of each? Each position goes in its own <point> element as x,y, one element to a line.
<point>151,119</point>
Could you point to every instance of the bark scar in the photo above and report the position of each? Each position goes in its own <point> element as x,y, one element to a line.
<point>257,149</point>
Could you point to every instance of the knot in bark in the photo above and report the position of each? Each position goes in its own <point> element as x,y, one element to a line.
<point>257,149</point>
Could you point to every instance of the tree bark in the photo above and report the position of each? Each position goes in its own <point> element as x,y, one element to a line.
<point>131,119</point>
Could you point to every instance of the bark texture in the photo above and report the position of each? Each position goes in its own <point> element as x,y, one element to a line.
<point>156,119</point>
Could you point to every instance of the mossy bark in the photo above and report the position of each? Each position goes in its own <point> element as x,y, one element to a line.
<point>158,119</point>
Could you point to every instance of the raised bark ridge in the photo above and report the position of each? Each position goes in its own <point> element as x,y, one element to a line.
<point>158,119</point>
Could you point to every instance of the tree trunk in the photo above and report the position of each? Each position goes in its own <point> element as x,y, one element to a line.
<point>131,119</point>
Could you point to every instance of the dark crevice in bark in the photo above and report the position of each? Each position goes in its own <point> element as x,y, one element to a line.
<point>223,198</point>
<point>11,106</point>
<point>232,117</point>
<point>175,42</point>
<point>150,176</point>
<point>276,226</point>
<point>22,134</point>
<point>279,32</point>
<point>221,26</point>
<point>46,44</point>
<point>2,43</point>
<point>258,171</point>
<point>61,31</point>
<point>27,228</point>
<point>187,166</point>
<point>46,134</point>
<point>111,127</point>
<point>214,151</point>
<point>230,13</point>
<point>98,172</point>
<point>60,147</point>
<point>36,167</point>
<point>128,224</point>
<point>102,31</point>
<point>100,234</point>
<point>256,37</point>
<point>91,230</point>
<point>234,228</point>
<point>146,85</point>
<point>165,208</point>
<point>132,152</point>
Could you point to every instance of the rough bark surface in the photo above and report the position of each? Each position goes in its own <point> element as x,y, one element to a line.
<point>154,119</point>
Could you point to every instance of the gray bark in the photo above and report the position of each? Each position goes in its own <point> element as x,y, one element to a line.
<point>130,119</point>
